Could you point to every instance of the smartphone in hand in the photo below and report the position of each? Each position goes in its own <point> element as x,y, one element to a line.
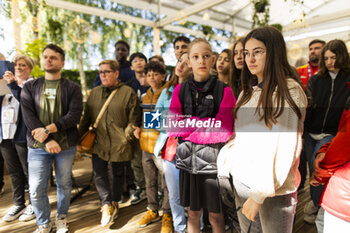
<point>6,66</point>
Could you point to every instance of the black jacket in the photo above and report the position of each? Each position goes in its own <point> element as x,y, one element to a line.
<point>327,100</point>
<point>199,158</point>
<point>72,107</point>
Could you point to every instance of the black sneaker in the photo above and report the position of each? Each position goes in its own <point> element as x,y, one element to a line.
<point>160,197</point>
<point>26,188</point>
<point>138,196</point>
<point>14,212</point>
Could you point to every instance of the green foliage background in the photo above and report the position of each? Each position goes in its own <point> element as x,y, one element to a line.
<point>54,23</point>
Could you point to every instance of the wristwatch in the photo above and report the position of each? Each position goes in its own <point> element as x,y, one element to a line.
<point>46,131</point>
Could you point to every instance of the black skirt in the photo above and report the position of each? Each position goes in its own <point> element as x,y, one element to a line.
<point>200,192</point>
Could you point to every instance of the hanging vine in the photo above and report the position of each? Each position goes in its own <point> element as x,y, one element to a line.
<point>261,13</point>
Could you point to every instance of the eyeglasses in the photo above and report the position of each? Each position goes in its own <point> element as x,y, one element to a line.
<point>257,54</point>
<point>105,72</point>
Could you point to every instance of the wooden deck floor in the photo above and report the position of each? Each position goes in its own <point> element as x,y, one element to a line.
<point>84,212</point>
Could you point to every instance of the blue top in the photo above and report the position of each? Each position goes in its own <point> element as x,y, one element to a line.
<point>138,88</point>
<point>162,105</point>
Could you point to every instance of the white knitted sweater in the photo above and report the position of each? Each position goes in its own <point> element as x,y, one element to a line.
<point>266,160</point>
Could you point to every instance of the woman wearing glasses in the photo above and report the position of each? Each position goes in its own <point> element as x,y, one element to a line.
<point>114,134</point>
<point>268,125</point>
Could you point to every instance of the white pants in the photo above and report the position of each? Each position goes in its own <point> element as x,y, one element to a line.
<point>334,224</point>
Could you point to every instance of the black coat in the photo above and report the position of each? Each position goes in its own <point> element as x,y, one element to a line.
<point>199,158</point>
<point>72,107</point>
<point>327,100</point>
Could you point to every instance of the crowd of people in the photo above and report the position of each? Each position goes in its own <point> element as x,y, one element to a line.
<point>233,132</point>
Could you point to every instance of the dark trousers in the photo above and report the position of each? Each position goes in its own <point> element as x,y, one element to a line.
<point>1,172</point>
<point>15,156</point>
<point>136,164</point>
<point>152,166</point>
<point>102,183</point>
<point>302,169</point>
<point>311,147</point>
<point>130,178</point>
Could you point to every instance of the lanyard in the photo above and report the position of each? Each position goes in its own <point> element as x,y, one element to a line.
<point>309,70</point>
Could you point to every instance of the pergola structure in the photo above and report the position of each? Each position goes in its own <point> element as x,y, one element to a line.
<point>326,19</point>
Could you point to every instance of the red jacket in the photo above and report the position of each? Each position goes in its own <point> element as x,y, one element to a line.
<point>336,196</point>
<point>338,150</point>
<point>304,73</point>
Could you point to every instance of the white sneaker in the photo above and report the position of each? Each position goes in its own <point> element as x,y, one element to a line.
<point>310,219</point>
<point>61,225</point>
<point>310,212</point>
<point>310,208</point>
<point>44,229</point>
<point>14,212</point>
<point>28,214</point>
<point>109,213</point>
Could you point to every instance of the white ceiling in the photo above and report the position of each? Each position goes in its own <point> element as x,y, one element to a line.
<point>325,19</point>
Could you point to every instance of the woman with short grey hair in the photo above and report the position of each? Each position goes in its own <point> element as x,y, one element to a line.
<point>13,144</point>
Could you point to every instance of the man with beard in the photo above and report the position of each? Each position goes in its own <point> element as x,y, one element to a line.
<point>51,108</point>
<point>305,72</point>
<point>311,68</point>
<point>121,52</point>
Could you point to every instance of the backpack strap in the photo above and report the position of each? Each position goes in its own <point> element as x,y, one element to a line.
<point>182,94</point>
<point>218,94</point>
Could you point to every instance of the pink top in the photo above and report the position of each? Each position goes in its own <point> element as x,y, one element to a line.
<point>203,135</point>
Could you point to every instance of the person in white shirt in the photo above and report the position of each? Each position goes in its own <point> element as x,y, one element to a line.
<point>13,138</point>
<point>263,157</point>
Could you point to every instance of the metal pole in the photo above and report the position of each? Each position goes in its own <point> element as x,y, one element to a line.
<point>16,19</point>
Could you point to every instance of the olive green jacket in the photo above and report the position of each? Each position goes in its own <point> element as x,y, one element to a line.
<point>114,133</point>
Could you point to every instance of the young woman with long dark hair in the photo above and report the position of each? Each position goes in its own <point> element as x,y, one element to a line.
<point>236,67</point>
<point>263,157</point>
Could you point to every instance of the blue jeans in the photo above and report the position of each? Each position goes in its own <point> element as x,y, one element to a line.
<point>39,170</point>
<point>320,220</point>
<point>311,147</point>
<point>276,214</point>
<point>172,174</point>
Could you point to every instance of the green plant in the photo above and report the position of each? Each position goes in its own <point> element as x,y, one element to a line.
<point>261,13</point>
<point>74,76</point>
<point>55,31</point>
<point>278,26</point>
<point>34,49</point>
<point>37,72</point>
<point>260,6</point>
